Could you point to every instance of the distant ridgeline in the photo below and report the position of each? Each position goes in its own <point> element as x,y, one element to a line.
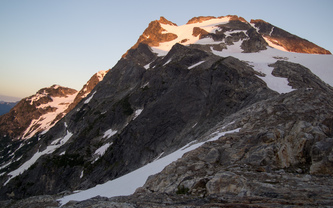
<point>6,106</point>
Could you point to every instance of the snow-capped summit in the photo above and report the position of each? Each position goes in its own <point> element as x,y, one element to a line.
<point>37,113</point>
<point>219,33</point>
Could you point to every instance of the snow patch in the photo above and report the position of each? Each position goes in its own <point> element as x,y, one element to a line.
<point>167,62</point>
<point>137,113</point>
<point>49,149</point>
<point>274,44</point>
<point>278,84</point>
<point>320,65</point>
<point>89,99</point>
<point>270,33</point>
<point>147,66</point>
<point>101,151</point>
<point>109,133</point>
<point>101,74</point>
<point>143,86</point>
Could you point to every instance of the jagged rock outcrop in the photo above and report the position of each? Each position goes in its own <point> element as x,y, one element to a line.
<point>154,34</point>
<point>288,41</point>
<point>87,88</point>
<point>200,19</point>
<point>274,159</point>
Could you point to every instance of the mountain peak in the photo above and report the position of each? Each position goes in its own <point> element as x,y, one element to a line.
<point>163,20</point>
<point>55,91</point>
<point>200,19</point>
<point>223,33</point>
<point>37,112</point>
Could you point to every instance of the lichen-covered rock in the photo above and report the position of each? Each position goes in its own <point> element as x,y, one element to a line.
<point>265,160</point>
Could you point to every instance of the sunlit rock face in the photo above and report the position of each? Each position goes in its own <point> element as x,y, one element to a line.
<point>286,40</point>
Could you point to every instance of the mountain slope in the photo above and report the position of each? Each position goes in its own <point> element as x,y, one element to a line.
<point>36,113</point>
<point>181,85</point>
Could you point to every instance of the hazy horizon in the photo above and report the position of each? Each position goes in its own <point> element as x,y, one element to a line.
<point>11,99</point>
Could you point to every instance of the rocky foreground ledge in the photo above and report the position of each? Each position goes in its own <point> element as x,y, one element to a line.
<point>277,190</point>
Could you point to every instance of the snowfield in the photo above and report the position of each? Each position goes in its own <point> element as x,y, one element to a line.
<point>185,32</point>
<point>44,123</point>
<point>321,65</point>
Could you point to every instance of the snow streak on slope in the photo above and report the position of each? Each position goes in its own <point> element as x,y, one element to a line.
<point>49,149</point>
<point>274,45</point>
<point>89,98</point>
<point>128,183</point>
<point>109,133</point>
<point>196,64</point>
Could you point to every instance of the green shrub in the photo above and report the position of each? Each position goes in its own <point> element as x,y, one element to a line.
<point>182,190</point>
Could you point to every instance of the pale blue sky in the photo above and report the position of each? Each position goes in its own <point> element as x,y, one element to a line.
<point>44,42</point>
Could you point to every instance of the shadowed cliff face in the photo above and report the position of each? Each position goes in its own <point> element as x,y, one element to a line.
<point>288,41</point>
<point>171,98</point>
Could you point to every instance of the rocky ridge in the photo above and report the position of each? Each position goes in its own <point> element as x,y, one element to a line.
<point>87,88</point>
<point>288,41</point>
<point>251,34</point>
